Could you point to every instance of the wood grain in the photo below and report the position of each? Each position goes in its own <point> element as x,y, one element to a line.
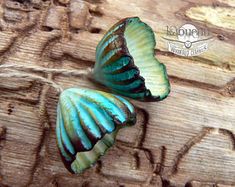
<point>186,140</point>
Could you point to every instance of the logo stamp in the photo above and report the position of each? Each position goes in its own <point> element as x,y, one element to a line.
<point>187,40</point>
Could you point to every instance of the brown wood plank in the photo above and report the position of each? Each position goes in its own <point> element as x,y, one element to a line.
<point>186,140</point>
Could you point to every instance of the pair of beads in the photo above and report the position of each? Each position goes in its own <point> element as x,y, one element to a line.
<point>88,120</point>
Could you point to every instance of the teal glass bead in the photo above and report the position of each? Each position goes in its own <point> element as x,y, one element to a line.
<point>87,124</point>
<point>126,63</point>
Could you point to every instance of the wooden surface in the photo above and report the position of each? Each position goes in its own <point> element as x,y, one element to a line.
<point>186,140</point>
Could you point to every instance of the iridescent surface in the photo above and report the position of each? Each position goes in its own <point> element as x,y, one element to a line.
<point>125,62</point>
<point>87,123</point>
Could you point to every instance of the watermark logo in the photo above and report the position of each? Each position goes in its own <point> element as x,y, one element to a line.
<point>187,40</point>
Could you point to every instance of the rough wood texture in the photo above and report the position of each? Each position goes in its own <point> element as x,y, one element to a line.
<point>186,140</point>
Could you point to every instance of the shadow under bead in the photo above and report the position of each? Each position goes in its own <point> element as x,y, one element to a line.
<point>87,124</point>
<point>126,63</point>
